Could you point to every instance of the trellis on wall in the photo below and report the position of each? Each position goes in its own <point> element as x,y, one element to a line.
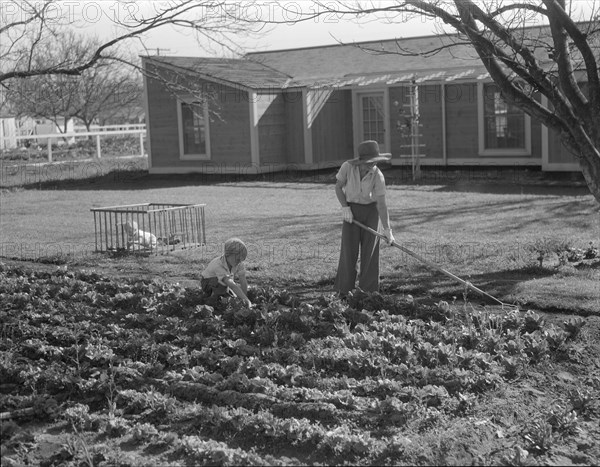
<point>149,227</point>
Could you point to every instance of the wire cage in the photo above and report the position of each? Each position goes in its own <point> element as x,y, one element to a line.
<point>149,228</point>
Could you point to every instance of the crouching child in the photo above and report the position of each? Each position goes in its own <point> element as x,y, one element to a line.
<point>219,276</point>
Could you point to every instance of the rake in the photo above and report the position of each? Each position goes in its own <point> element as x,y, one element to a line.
<point>433,265</point>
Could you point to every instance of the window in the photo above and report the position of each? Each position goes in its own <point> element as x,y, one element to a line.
<point>504,128</point>
<point>194,140</point>
<point>373,118</point>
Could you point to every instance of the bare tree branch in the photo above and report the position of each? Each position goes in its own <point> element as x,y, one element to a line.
<point>177,13</point>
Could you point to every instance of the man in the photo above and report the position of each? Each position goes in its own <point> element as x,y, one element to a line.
<point>360,189</point>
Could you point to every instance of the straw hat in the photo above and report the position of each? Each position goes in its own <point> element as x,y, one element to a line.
<point>368,152</point>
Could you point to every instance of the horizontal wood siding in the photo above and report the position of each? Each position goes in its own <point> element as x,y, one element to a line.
<point>295,127</point>
<point>272,131</point>
<point>332,133</point>
<point>461,121</point>
<point>229,124</point>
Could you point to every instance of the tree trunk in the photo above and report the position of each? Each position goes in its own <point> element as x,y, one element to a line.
<point>589,161</point>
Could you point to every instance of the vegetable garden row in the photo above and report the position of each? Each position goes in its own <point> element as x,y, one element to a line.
<point>371,380</point>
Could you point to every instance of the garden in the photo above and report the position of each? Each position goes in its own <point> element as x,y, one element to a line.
<point>70,149</point>
<point>116,359</point>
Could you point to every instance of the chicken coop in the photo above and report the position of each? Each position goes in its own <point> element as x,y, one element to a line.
<point>156,228</point>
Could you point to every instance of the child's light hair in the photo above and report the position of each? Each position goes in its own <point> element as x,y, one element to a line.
<point>234,246</point>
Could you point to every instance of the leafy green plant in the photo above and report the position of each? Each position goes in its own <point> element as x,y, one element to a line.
<point>591,252</point>
<point>563,420</point>
<point>573,326</point>
<point>533,321</point>
<point>117,426</point>
<point>511,366</point>
<point>78,416</point>
<point>540,436</point>
<point>143,432</point>
<point>582,399</point>
<point>518,457</point>
<point>555,337</point>
<point>536,347</point>
<point>544,247</point>
<point>330,382</point>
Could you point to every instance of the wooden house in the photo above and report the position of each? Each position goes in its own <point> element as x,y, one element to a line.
<point>308,108</point>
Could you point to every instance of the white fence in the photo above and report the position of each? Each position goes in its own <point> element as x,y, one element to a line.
<point>98,133</point>
<point>123,127</point>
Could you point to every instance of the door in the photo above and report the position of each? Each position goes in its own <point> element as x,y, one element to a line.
<point>372,118</point>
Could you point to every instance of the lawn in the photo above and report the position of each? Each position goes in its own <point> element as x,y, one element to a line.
<point>292,227</point>
<point>120,360</point>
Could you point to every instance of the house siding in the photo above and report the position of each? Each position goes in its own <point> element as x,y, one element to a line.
<point>536,141</point>
<point>272,128</point>
<point>281,134</point>
<point>332,133</point>
<point>431,130</point>
<point>161,123</point>
<point>557,152</point>
<point>230,132</point>
<point>229,126</point>
<point>431,119</point>
<point>295,127</point>
<point>461,122</point>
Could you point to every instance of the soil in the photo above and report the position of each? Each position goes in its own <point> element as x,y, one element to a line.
<point>496,420</point>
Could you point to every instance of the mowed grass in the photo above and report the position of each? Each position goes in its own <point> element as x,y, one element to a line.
<point>292,227</point>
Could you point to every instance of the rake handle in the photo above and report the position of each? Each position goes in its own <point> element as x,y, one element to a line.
<point>428,263</point>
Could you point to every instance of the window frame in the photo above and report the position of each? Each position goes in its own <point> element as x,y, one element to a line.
<point>483,151</point>
<point>193,157</point>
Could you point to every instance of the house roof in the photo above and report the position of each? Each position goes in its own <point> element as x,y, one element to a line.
<point>438,58</point>
<point>443,57</point>
<point>363,58</point>
<point>243,72</point>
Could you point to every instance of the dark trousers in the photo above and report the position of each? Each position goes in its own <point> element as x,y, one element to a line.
<point>354,238</point>
<point>211,287</point>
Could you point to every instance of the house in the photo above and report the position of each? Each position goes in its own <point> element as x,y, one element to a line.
<point>308,108</point>
<point>13,129</point>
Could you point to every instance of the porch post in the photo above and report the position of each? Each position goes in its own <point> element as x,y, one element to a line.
<point>254,147</point>
<point>307,127</point>
<point>545,140</point>
<point>444,123</point>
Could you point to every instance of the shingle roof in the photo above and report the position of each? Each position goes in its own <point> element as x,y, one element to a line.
<point>424,58</point>
<point>394,56</point>
<point>237,71</point>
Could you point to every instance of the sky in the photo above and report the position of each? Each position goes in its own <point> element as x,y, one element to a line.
<point>315,32</point>
<point>326,29</point>
<point>98,17</point>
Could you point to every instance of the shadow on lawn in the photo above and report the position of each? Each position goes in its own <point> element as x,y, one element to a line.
<point>112,174</point>
<point>516,189</point>
<point>133,175</point>
<point>511,208</point>
<point>421,281</point>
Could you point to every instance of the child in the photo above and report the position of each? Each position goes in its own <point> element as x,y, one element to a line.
<point>219,276</point>
<point>139,238</point>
